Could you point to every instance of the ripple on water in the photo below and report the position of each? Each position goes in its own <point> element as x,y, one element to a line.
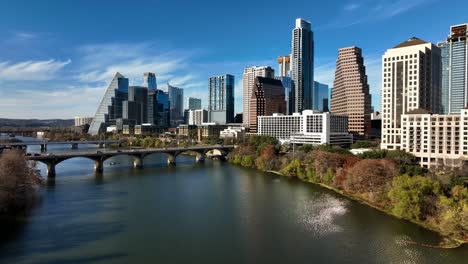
<point>318,215</point>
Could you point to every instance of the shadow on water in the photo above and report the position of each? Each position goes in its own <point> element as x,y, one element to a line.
<point>101,258</point>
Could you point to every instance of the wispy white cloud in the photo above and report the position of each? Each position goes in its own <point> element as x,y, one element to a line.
<point>25,35</point>
<point>368,11</point>
<point>31,70</point>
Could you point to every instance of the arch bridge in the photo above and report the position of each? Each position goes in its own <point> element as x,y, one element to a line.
<point>53,159</point>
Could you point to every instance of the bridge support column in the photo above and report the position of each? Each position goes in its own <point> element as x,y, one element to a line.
<point>98,166</point>
<point>137,162</point>
<point>171,160</point>
<point>50,170</point>
<point>101,145</point>
<point>74,146</point>
<point>43,147</point>
<point>200,158</point>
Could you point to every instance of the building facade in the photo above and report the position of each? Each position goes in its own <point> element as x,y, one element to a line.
<point>320,95</point>
<point>351,91</point>
<point>81,121</point>
<point>149,80</point>
<point>455,70</point>
<point>221,99</point>
<point>284,66</point>
<point>176,99</point>
<point>411,79</point>
<point>163,109</point>
<point>110,107</point>
<point>302,64</point>
<point>248,84</point>
<point>267,99</point>
<point>310,127</point>
<point>198,117</point>
<point>438,141</point>
<point>194,103</point>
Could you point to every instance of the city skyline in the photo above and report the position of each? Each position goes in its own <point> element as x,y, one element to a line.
<point>42,61</point>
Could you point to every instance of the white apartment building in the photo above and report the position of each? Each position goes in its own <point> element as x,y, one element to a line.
<point>312,127</point>
<point>232,132</point>
<point>411,79</point>
<point>439,141</point>
<point>248,84</point>
<point>81,121</point>
<point>198,117</point>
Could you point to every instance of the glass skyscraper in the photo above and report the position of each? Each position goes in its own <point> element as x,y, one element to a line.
<point>162,109</point>
<point>454,53</point>
<point>221,99</point>
<point>194,103</point>
<point>302,65</point>
<point>319,94</point>
<point>110,107</point>
<point>149,80</point>
<point>176,99</point>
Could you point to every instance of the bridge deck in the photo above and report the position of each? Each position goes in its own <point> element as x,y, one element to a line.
<point>30,143</point>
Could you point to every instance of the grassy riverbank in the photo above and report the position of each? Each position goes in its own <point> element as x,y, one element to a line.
<point>390,181</point>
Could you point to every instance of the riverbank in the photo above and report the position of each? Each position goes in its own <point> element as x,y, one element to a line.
<point>390,182</point>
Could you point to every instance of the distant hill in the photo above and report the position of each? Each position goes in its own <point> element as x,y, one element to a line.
<point>5,122</point>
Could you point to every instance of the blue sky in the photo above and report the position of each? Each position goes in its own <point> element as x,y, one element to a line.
<point>57,57</point>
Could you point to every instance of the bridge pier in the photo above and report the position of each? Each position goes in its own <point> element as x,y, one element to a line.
<point>200,158</point>
<point>137,162</point>
<point>98,166</point>
<point>50,170</point>
<point>74,146</point>
<point>43,147</point>
<point>171,160</point>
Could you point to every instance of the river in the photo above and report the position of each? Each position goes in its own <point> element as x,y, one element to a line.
<point>205,213</point>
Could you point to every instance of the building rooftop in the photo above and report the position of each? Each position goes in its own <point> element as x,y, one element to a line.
<point>411,42</point>
<point>269,81</point>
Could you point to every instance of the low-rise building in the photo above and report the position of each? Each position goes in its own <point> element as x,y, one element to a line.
<point>439,141</point>
<point>233,132</point>
<point>312,127</point>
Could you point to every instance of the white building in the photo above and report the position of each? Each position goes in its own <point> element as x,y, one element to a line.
<point>411,79</point>
<point>312,127</point>
<point>81,121</point>
<point>232,132</point>
<point>198,117</point>
<point>437,140</point>
<point>248,84</point>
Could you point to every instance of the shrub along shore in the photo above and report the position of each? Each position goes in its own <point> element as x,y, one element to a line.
<point>390,181</point>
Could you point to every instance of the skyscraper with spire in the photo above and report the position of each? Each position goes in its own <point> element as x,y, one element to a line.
<point>302,65</point>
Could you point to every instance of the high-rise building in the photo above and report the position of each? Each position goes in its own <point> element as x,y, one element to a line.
<point>176,99</point>
<point>302,64</point>
<point>221,99</point>
<point>351,91</point>
<point>110,107</point>
<point>288,86</point>
<point>267,99</point>
<point>284,64</point>
<point>248,84</point>
<point>138,95</point>
<point>149,80</point>
<point>320,95</point>
<point>194,103</point>
<point>411,79</point>
<point>455,70</point>
<point>198,117</point>
<point>163,109</point>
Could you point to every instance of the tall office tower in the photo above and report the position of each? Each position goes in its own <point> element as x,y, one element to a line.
<point>149,80</point>
<point>139,96</point>
<point>221,99</point>
<point>110,107</point>
<point>284,63</point>
<point>288,86</point>
<point>194,103</point>
<point>302,65</point>
<point>351,91</point>
<point>248,84</point>
<point>151,107</point>
<point>176,99</point>
<point>267,99</point>
<point>163,109</point>
<point>411,79</point>
<point>320,94</point>
<point>455,70</point>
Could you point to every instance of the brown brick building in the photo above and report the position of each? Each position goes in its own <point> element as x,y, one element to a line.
<point>350,94</point>
<point>267,98</point>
